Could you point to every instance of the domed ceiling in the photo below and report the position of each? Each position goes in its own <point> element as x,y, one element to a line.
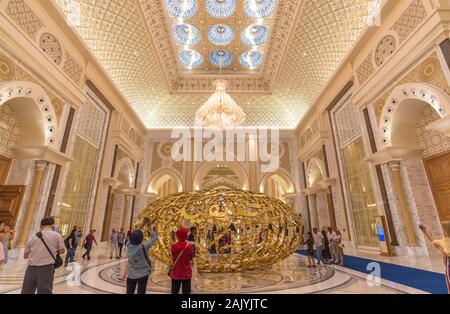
<point>277,55</point>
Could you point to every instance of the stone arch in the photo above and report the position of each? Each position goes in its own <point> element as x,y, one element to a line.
<point>401,111</point>
<point>125,172</point>
<point>34,111</point>
<point>206,167</point>
<point>315,172</point>
<point>162,175</point>
<point>283,175</point>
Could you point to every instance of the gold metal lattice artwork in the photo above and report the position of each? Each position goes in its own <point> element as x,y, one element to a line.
<point>236,230</point>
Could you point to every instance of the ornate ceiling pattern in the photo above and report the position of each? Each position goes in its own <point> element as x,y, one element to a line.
<point>216,28</point>
<point>133,42</point>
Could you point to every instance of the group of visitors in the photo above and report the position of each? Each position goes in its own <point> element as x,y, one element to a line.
<point>326,246</point>
<point>72,241</point>
<point>140,265</point>
<point>43,252</point>
<point>6,238</point>
<point>118,242</point>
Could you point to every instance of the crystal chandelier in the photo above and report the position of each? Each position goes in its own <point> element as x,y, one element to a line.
<point>220,111</point>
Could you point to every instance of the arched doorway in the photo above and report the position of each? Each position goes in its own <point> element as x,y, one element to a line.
<point>413,130</point>
<point>277,185</point>
<point>33,136</point>
<point>315,173</point>
<point>221,176</point>
<point>231,173</point>
<point>165,183</point>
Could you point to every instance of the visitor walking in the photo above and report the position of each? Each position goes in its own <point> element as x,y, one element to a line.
<point>139,262</point>
<point>6,237</point>
<point>326,248</point>
<point>339,248</point>
<point>181,269</point>
<point>114,244</point>
<point>310,249</point>
<point>87,245</point>
<point>332,241</point>
<point>121,240</point>
<point>71,245</point>
<point>443,246</point>
<point>42,251</point>
<point>318,245</point>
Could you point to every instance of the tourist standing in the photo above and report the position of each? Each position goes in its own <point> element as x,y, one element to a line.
<point>192,235</point>
<point>310,249</point>
<point>41,251</point>
<point>139,262</point>
<point>443,246</point>
<point>326,248</point>
<point>87,244</point>
<point>71,245</point>
<point>181,269</point>
<point>318,245</point>
<point>114,244</point>
<point>121,240</point>
<point>6,237</point>
<point>339,248</point>
<point>331,235</point>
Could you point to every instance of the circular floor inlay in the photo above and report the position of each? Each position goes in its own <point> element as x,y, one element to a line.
<point>289,274</point>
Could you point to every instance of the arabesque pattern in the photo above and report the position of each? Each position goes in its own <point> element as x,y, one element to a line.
<point>238,230</point>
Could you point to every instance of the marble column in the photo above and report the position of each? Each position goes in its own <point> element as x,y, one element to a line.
<point>331,211</point>
<point>395,169</point>
<point>314,212</point>
<point>30,209</point>
<point>126,211</point>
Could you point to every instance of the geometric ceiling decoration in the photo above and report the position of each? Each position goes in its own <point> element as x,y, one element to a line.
<point>258,9</point>
<point>182,8</point>
<point>220,35</point>
<point>134,43</point>
<point>251,59</point>
<point>220,9</point>
<point>255,35</point>
<point>190,58</point>
<point>220,58</point>
<point>215,23</point>
<point>186,35</point>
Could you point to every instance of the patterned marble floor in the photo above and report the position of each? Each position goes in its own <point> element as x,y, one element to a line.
<point>103,275</point>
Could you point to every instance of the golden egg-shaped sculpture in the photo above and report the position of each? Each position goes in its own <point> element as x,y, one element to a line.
<point>236,230</point>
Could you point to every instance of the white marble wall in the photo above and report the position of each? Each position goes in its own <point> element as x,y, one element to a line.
<point>322,209</point>
<point>420,204</point>
<point>22,173</point>
<point>117,211</point>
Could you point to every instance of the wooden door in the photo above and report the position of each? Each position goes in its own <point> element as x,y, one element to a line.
<point>10,201</point>
<point>5,164</point>
<point>438,170</point>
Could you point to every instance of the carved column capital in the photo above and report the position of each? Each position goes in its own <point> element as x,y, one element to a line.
<point>394,165</point>
<point>41,165</point>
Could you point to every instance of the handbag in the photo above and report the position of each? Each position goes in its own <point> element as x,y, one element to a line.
<point>58,260</point>
<point>176,260</point>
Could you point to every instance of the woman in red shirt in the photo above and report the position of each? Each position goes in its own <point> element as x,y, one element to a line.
<point>181,270</point>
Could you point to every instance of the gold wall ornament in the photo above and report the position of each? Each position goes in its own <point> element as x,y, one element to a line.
<point>7,69</point>
<point>237,230</point>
